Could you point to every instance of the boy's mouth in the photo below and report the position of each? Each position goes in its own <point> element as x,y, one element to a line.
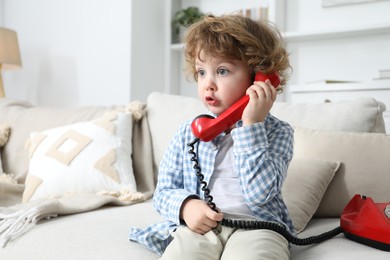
<point>210,100</point>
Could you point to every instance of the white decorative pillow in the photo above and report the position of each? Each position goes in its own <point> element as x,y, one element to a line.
<point>304,187</point>
<point>86,157</point>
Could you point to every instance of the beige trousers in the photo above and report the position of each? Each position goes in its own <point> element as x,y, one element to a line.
<point>227,244</point>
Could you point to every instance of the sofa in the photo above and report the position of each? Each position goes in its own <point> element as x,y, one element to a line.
<point>50,209</point>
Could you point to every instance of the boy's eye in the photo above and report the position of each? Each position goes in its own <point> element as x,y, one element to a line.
<point>222,72</point>
<point>201,72</point>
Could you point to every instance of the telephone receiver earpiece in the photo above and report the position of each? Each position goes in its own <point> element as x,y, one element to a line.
<point>206,128</point>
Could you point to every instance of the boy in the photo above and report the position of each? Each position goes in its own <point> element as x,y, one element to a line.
<point>244,167</point>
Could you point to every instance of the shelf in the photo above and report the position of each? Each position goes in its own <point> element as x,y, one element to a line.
<point>334,87</point>
<point>339,33</point>
<point>177,46</point>
<point>379,29</point>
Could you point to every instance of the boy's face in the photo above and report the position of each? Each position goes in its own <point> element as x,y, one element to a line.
<point>221,82</point>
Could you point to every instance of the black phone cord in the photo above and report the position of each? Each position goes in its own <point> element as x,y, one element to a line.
<point>251,224</point>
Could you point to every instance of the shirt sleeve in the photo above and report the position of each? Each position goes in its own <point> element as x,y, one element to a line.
<point>170,191</point>
<point>263,152</point>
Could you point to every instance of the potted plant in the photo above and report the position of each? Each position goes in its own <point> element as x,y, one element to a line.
<point>185,17</point>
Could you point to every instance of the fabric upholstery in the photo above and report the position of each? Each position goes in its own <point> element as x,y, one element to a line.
<point>165,114</point>
<point>364,166</point>
<point>85,157</point>
<point>358,115</point>
<point>304,187</point>
<point>335,248</point>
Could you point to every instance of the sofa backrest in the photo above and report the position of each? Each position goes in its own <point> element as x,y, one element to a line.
<point>358,115</point>
<point>166,112</point>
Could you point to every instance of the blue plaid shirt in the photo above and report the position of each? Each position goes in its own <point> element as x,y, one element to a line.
<point>262,154</point>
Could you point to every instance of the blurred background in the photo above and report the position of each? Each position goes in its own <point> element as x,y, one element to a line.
<point>104,52</point>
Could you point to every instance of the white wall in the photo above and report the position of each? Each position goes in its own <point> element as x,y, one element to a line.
<point>78,52</point>
<point>147,58</point>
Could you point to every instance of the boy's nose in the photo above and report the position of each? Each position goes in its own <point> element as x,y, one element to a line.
<point>211,87</point>
<point>210,84</point>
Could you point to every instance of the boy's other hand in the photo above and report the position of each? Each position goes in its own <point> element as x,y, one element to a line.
<point>198,216</point>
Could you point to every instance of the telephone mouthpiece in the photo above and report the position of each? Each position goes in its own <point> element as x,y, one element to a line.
<point>206,127</point>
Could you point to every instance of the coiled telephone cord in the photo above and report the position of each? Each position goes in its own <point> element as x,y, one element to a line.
<point>255,224</point>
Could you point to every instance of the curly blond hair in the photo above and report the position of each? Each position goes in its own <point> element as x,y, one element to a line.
<point>259,43</point>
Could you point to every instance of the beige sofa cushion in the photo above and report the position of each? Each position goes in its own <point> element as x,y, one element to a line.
<point>165,114</point>
<point>365,165</point>
<point>10,191</point>
<point>304,187</point>
<point>358,115</point>
<point>5,130</point>
<point>4,136</point>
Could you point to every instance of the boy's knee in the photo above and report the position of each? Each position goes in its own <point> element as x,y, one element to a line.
<point>188,245</point>
<point>256,244</point>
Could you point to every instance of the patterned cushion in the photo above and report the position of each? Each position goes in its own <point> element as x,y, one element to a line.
<point>86,157</point>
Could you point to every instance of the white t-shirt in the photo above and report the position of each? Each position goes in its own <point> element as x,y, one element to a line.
<point>224,184</point>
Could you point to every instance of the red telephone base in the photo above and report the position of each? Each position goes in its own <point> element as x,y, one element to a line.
<point>367,222</point>
<point>368,242</point>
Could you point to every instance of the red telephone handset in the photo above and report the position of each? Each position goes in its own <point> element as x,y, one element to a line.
<point>207,128</point>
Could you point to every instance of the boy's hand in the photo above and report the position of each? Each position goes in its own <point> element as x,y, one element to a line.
<point>262,96</point>
<point>198,216</point>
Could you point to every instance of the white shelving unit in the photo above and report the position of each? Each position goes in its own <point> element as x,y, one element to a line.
<point>175,80</point>
<point>355,51</point>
